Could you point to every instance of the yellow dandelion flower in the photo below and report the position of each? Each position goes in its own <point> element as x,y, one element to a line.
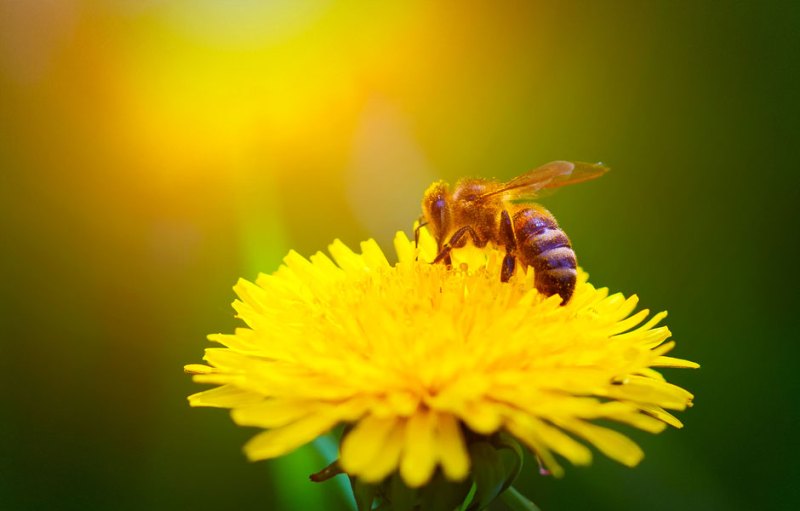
<point>419,359</point>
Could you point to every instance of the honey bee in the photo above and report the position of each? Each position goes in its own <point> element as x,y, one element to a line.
<point>484,211</point>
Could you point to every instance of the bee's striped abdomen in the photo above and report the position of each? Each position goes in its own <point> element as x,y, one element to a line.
<point>543,245</point>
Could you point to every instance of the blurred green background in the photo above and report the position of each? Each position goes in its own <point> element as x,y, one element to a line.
<point>151,152</point>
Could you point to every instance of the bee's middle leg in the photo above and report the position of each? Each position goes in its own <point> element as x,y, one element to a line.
<point>457,240</point>
<point>509,241</point>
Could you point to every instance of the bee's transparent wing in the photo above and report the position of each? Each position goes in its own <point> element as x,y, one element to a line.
<point>534,184</point>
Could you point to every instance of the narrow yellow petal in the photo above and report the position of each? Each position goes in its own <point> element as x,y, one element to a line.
<point>283,440</point>
<point>328,270</point>
<point>304,270</point>
<point>611,443</point>
<point>403,247</point>
<point>675,362</point>
<point>250,294</point>
<point>651,373</point>
<point>242,341</point>
<point>272,413</point>
<point>223,358</point>
<point>418,458</point>
<point>662,415</point>
<point>481,417</point>
<point>373,255</point>
<point>226,396</point>
<point>452,451</point>
<point>216,377</point>
<point>641,421</point>
<point>563,444</point>
<point>628,323</point>
<point>365,442</point>
<point>427,246</point>
<point>198,369</point>
<point>347,260</point>
<point>528,436</point>
<point>649,391</point>
<point>389,457</point>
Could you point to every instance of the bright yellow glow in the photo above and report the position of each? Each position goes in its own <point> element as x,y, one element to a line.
<point>283,78</point>
<point>242,23</point>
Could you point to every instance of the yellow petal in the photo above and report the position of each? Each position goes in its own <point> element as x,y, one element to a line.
<point>347,260</point>
<point>520,427</point>
<point>662,415</point>
<point>373,255</point>
<point>272,413</point>
<point>198,369</point>
<point>403,247</point>
<point>365,442</point>
<point>389,457</point>
<point>614,445</point>
<point>419,460</point>
<point>675,362</point>
<point>641,421</point>
<point>563,444</point>
<point>648,391</point>
<point>481,417</point>
<point>251,295</point>
<point>226,396</point>
<point>223,358</point>
<point>452,451</point>
<point>627,324</point>
<point>280,441</point>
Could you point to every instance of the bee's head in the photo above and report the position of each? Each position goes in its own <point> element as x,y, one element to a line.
<point>436,209</point>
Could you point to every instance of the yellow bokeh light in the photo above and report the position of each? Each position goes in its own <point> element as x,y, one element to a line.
<point>283,79</point>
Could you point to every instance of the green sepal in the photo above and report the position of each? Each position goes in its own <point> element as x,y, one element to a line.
<point>441,494</point>
<point>488,472</point>
<point>512,455</point>
<point>363,493</point>
<point>468,499</point>
<point>495,466</point>
<point>517,501</point>
<point>400,496</point>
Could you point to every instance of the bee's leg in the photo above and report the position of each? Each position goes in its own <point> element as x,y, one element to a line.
<point>457,240</point>
<point>509,263</point>
<point>420,224</point>
<point>509,241</point>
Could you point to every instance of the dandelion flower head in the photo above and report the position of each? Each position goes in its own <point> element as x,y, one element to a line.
<point>417,358</point>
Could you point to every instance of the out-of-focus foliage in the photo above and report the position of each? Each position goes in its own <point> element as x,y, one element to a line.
<point>153,152</point>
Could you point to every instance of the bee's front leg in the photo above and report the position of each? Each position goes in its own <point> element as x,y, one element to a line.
<point>457,240</point>
<point>420,224</point>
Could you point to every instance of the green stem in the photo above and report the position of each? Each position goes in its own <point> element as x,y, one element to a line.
<point>326,446</point>
<point>516,501</point>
